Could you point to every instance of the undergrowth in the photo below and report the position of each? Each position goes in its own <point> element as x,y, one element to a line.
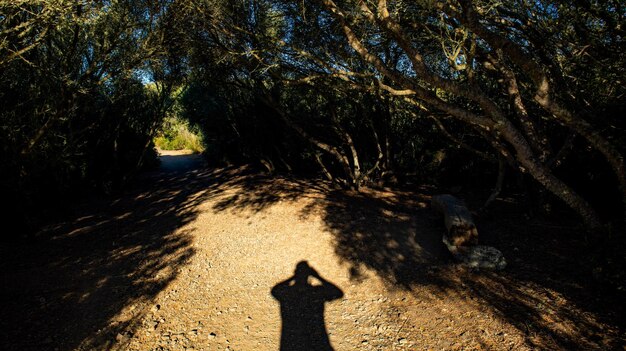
<point>178,134</point>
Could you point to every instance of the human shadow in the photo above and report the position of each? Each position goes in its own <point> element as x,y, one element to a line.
<point>395,234</point>
<point>302,309</point>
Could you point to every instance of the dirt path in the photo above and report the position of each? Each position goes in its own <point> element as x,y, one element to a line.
<point>199,259</point>
<point>179,161</point>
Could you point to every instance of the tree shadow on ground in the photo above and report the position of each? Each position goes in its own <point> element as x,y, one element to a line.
<point>546,293</point>
<point>86,283</point>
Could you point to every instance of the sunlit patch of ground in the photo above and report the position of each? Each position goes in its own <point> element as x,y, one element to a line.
<point>174,152</point>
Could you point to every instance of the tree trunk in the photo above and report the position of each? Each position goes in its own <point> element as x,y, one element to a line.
<point>545,177</point>
<point>331,150</point>
<point>327,174</point>
<point>495,120</point>
<point>499,182</point>
<point>543,95</point>
<point>458,220</point>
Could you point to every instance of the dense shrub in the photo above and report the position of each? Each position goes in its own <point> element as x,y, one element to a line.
<point>177,134</point>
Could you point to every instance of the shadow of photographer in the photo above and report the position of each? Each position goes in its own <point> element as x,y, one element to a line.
<point>302,302</point>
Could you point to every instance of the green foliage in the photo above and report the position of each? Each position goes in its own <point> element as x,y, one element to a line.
<point>177,134</point>
<point>236,127</point>
<point>463,79</point>
<point>311,86</point>
<point>75,116</point>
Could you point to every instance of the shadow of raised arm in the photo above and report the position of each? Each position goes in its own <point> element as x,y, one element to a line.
<point>302,309</point>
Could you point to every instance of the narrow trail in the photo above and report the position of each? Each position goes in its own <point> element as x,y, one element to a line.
<point>202,259</point>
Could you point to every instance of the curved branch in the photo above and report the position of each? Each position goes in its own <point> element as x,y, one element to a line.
<point>543,94</point>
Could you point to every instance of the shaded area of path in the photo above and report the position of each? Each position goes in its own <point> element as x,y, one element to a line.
<point>179,161</point>
<point>83,283</point>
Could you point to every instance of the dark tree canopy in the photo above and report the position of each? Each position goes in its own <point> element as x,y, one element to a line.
<point>360,92</point>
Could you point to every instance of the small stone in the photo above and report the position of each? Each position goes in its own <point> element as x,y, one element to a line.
<point>402,341</point>
<point>212,336</point>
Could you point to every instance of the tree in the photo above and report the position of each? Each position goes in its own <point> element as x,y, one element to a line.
<point>487,51</point>
<point>75,111</point>
<point>509,71</point>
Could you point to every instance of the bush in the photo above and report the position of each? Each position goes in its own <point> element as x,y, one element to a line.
<point>177,134</point>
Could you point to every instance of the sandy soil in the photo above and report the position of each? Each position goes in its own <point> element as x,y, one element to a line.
<point>194,258</point>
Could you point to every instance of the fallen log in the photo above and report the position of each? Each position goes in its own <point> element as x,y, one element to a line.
<point>461,230</point>
<point>461,238</point>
